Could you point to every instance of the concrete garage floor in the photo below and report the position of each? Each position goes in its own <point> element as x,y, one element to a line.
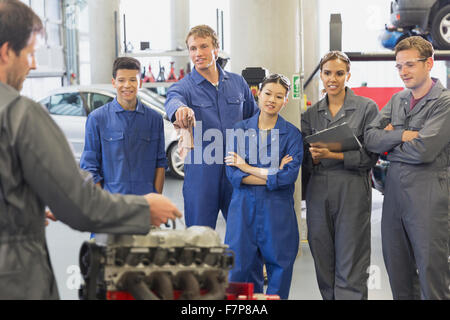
<point>64,244</point>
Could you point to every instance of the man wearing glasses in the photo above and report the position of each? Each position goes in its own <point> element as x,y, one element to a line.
<point>414,128</point>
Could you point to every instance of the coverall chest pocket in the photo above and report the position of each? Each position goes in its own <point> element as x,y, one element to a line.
<point>398,122</point>
<point>148,145</point>
<point>235,102</point>
<point>113,145</point>
<point>201,104</point>
<point>355,120</point>
<point>202,108</point>
<point>235,107</point>
<point>416,122</point>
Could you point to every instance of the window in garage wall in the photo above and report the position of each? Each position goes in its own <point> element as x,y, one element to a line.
<point>77,35</point>
<point>205,12</point>
<point>147,20</point>
<point>50,12</point>
<point>83,43</point>
<point>50,55</point>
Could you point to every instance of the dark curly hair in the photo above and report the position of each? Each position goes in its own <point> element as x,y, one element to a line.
<point>126,63</point>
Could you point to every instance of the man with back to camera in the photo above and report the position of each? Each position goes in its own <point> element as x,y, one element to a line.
<point>37,168</point>
<point>124,141</point>
<point>218,100</point>
<point>414,128</point>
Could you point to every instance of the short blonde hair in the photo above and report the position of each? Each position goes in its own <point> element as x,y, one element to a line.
<point>203,31</point>
<point>424,47</point>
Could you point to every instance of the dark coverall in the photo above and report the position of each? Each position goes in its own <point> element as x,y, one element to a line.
<point>415,222</point>
<point>338,202</point>
<point>37,168</point>
<point>262,225</point>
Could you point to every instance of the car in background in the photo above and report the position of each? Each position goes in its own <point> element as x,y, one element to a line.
<point>379,172</point>
<point>427,18</point>
<point>381,96</point>
<point>70,106</point>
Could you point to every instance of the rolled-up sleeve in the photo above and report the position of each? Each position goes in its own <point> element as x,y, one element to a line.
<point>281,179</point>
<point>235,175</point>
<point>175,98</point>
<point>91,158</point>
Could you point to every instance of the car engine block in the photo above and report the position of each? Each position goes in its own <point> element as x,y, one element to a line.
<point>165,264</point>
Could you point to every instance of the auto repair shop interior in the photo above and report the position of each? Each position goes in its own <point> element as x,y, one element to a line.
<point>73,78</point>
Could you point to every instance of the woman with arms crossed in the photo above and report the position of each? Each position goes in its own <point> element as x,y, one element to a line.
<point>262,225</point>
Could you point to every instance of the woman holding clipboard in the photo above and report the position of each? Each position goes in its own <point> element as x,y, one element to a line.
<point>338,191</point>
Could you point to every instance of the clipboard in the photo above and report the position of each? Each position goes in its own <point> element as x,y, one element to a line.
<point>337,139</point>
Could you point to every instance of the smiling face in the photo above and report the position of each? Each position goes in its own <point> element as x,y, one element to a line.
<point>127,84</point>
<point>272,98</point>
<point>202,52</point>
<point>334,74</point>
<point>414,70</point>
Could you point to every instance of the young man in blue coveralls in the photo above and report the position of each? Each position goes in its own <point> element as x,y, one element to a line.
<point>124,142</point>
<point>219,100</point>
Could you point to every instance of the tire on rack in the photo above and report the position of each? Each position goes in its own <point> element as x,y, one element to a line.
<point>440,28</point>
<point>176,165</point>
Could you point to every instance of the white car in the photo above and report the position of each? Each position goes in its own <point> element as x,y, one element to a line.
<point>69,107</point>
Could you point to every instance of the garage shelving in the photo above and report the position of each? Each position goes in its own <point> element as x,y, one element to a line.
<point>153,54</point>
<point>157,54</point>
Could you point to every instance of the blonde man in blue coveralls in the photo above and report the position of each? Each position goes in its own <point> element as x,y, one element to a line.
<point>218,99</point>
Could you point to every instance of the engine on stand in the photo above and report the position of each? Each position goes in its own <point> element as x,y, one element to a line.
<point>165,264</point>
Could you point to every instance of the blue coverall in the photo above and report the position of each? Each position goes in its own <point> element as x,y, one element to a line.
<point>123,148</point>
<point>262,225</point>
<point>206,189</point>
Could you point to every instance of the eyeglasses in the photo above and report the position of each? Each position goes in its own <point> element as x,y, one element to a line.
<point>335,54</point>
<point>283,79</point>
<point>409,64</point>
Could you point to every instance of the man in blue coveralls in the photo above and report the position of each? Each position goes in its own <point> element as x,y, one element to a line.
<point>218,99</point>
<point>124,141</point>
